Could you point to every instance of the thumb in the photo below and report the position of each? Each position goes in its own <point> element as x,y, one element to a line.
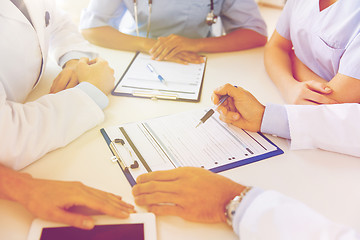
<point>73,219</point>
<point>320,87</point>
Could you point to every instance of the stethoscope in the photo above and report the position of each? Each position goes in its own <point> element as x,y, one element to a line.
<point>211,18</point>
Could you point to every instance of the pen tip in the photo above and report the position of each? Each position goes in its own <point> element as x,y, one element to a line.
<point>198,125</point>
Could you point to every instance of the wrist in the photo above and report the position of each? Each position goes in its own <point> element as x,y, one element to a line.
<point>14,186</point>
<point>147,44</point>
<point>232,205</point>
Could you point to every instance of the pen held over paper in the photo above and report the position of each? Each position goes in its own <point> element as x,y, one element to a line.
<point>209,113</point>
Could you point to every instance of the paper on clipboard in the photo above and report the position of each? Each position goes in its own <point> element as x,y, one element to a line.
<point>173,141</point>
<point>182,82</point>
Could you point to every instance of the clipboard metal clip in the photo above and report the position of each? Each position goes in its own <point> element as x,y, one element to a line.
<point>116,157</point>
<point>154,96</point>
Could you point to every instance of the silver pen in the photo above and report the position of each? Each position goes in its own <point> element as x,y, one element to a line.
<point>209,113</point>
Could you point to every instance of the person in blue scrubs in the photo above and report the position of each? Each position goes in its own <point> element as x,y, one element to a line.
<point>177,30</point>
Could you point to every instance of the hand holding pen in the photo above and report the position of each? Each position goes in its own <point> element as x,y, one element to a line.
<point>241,109</point>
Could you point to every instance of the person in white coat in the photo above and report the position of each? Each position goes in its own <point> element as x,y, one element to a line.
<point>28,130</point>
<point>199,195</point>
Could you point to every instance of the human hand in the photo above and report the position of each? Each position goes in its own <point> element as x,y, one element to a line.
<point>241,109</point>
<point>308,92</point>
<point>51,200</point>
<point>166,48</point>
<point>186,58</point>
<point>97,72</point>
<point>194,194</point>
<point>67,78</point>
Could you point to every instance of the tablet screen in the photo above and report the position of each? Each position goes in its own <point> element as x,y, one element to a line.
<point>134,231</point>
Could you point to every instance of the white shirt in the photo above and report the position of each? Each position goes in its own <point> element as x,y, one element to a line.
<point>185,18</point>
<point>31,129</point>
<point>326,41</point>
<point>331,127</point>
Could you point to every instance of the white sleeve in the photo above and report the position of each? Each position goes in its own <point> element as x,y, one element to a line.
<point>275,216</point>
<point>30,130</point>
<point>332,127</point>
<point>65,37</point>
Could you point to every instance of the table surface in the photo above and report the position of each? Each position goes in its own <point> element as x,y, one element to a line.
<point>323,180</point>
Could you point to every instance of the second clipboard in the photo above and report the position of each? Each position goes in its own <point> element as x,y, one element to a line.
<point>179,82</point>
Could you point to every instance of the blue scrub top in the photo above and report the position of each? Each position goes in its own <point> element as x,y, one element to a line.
<point>185,18</point>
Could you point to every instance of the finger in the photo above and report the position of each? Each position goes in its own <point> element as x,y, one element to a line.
<point>166,52</point>
<point>228,89</point>
<point>84,60</point>
<point>171,53</point>
<point>168,175</point>
<point>155,186</point>
<point>230,118</point>
<point>319,98</point>
<point>53,86</point>
<point>73,81</point>
<point>73,219</point>
<point>157,44</point>
<point>116,209</point>
<point>157,198</point>
<point>190,57</point>
<point>162,210</point>
<point>319,87</point>
<point>61,81</point>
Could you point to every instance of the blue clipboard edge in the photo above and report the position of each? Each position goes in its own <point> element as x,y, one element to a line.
<point>180,99</point>
<point>276,152</point>
<point>127,174</point>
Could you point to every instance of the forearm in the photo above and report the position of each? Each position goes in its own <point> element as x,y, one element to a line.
<point>278,66</point>
<point>12,184</point>
<point>111,38</point>
<point>301,72</point>
<point>237,40</point>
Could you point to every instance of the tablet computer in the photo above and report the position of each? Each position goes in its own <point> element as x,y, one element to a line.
<point>139,226</point>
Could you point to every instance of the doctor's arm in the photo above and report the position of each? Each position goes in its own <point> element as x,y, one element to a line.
<point>52,200</point>
<point>330,127</point>
<point>199,195</point>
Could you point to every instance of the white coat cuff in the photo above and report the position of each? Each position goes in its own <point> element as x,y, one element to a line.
<point>74,55</point>
<point>275,121</point>
<point>96,94</point>
<point>241,209</point>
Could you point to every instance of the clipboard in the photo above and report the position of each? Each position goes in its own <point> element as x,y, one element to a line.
<point>173,141</point>
<point>181,82</point>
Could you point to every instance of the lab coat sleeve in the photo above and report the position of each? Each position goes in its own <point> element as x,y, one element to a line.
<point>65,36</point>
<point>274,216</point>
<point>330,127</point>
<point>30,130</point>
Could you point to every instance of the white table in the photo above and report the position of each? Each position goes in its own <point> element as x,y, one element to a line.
<point>325,181</point>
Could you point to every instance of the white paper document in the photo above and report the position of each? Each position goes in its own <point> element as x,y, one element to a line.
<point>173,141</point>
<point>143,79</point>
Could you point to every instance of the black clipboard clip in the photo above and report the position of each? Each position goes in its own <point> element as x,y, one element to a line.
<point>155,96</point>
<point>116,157</point>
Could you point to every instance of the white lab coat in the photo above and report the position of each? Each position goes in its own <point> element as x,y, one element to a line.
<point>332,127</point>
<point>29,130</point>
<point>273,216</point>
